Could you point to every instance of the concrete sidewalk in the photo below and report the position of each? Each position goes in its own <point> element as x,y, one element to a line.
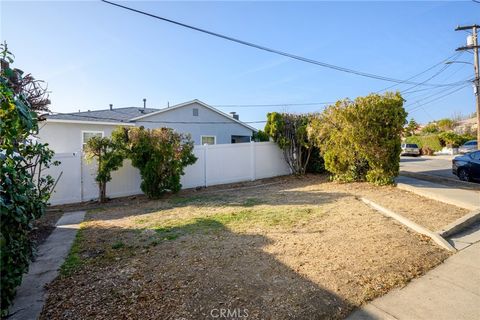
<point>468,199</point>
<point>30,296</point>
<point>436,169</point>
<point>451,291</point>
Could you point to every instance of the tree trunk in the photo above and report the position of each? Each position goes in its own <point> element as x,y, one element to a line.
<point>102,186</point>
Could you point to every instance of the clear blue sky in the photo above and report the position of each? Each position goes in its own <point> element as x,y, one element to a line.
<point>92,54</point>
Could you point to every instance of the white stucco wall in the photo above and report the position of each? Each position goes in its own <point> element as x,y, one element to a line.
<point>67,137</point>
<point>222,131</point>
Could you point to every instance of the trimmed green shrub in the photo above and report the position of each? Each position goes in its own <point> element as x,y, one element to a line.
<point>161,156</point>
<point>360,139</point>
<point>431,141</point>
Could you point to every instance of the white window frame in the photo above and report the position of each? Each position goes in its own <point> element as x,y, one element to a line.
<point>90,131</point>
<point>208,136</point>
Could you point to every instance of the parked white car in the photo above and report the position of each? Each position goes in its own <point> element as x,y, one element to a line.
<point>468,146</point>
<point>410,149</point>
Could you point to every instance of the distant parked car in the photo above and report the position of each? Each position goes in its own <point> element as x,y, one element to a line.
<point>468,146</point>
<point>467,166</point>
<point>410,149</point>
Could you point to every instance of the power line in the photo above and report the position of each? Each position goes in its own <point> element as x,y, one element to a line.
<point>428,79</point>
<point>426,97</point>
<point>460,83</point>
<point>438,98</point>
<point>424,71</point>
<point>282,53</point>
<point>445,67</point>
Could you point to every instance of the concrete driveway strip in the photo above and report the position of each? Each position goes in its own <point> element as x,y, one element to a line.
<point>451,291</point>
<point>51,254</point>
<point>468,199</point>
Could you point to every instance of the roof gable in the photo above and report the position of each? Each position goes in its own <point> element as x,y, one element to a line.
<point>185,104</point>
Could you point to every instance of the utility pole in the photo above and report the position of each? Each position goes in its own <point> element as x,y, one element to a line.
<point>474,45</point>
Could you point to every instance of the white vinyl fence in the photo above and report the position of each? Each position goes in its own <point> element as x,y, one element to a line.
<point>216,164</point>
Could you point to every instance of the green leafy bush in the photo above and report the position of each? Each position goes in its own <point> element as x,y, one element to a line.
<point>431,141</point>
<point>360,140</point>
<point>24,190</point>
<point>450,139</point>
<point>453,140</point>
<point>430,128</point>
<point>445,124</point>
<point>160,154</point>
<point>467,137</point>
<point>289,131</point>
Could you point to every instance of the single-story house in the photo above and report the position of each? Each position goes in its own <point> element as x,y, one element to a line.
<point>206,124</point>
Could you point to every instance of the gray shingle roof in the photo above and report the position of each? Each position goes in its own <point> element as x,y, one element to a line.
<point>114,115</point>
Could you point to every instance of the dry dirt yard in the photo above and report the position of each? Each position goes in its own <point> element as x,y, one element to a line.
<point>288,249</point>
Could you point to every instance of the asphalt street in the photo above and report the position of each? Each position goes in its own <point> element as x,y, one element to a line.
<point>431,165</point>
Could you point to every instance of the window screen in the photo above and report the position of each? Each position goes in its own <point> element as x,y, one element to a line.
<point>87,135</point>
<point>208,140</point>
<point>195,112</point>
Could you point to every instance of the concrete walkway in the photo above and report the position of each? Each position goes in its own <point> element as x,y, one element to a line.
<point>51,254</point>
<point>468,199</point>
<point>451,291</point>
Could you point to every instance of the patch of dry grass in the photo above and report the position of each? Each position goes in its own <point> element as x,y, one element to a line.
<point>297,249</point>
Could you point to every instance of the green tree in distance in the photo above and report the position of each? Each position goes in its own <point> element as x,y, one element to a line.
<point>411,128</point>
